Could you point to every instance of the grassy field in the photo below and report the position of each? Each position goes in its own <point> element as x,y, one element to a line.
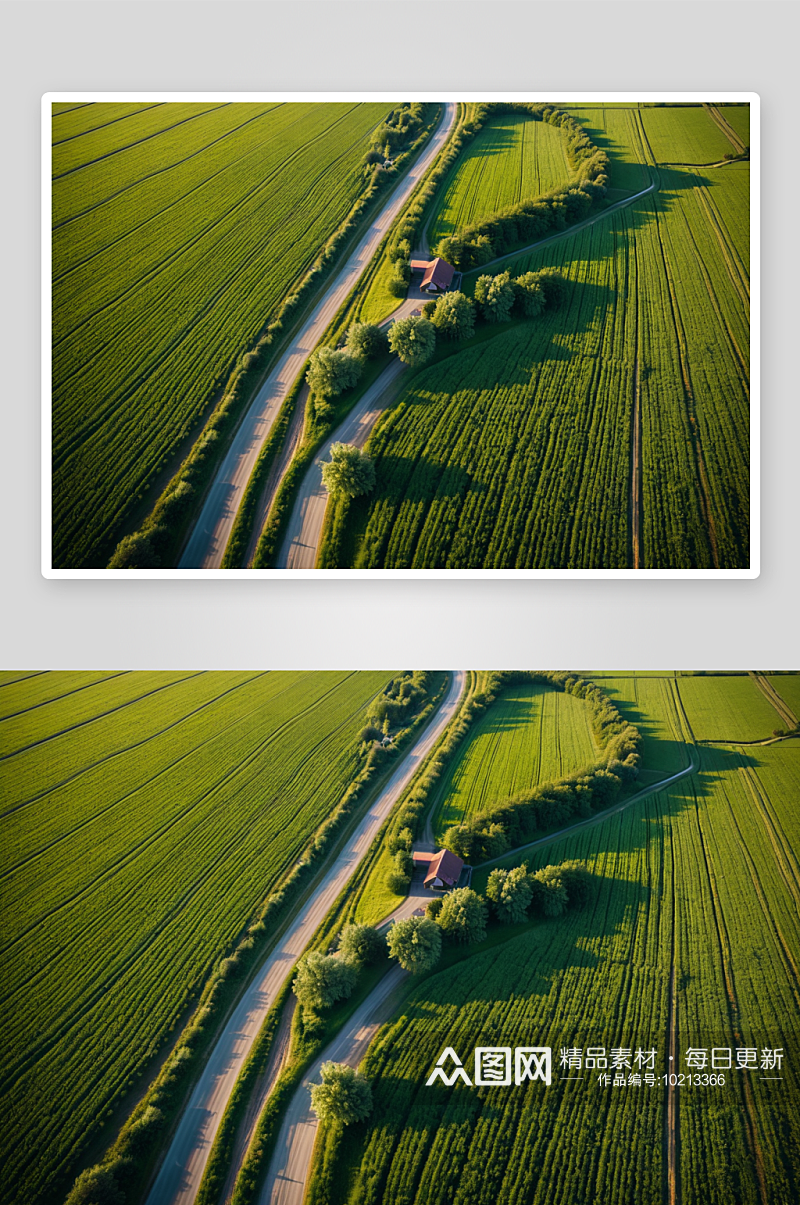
<point>516,451</point>
<point>146,818</point>
<point>178,229</point>
<point>728,709</point>
<point>788,687</point>
<point>513,157</point>
<point>703,877</point>
<point>532,734</point>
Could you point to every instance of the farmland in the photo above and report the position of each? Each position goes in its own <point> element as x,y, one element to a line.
<point>696,888</point>
<point>512,157</point>
<point>178,231</point>
<point>147,816</point>
<point>531,734</point>
<point>516,449</point>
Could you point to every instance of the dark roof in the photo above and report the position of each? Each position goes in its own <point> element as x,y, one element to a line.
<point>439,273</point>
<point>445,866</point>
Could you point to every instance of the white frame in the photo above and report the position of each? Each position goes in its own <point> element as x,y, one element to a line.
<point>751,98</point>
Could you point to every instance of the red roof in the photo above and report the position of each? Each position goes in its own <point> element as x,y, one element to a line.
<point>446,867</point>
<point>421,858</point>
<point>439,273</point>
<point>419,265</point>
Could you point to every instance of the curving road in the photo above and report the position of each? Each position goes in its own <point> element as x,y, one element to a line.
<point>209,537</point>
<point>182,1169</point>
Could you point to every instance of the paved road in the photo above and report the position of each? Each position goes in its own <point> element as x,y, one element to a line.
<point>209,538</point>
<point>181,1171</point>
<point>286,1179</point>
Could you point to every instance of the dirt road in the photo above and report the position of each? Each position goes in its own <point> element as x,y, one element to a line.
<point>180,1173</point>
<point>206,545</point>
<point>286,1179</point>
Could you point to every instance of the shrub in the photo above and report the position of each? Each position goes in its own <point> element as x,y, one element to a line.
<point>361,944</point>
<point>434,907</point>
<point>136,551</point>
<point>366,339</point>
<point>95,1186</point>
<point>330,372</point>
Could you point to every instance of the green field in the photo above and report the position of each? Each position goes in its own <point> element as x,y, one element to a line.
<point>513,157</point>
<point>729,709</point>
<point>532,734</point>
<point>703,879</point>
<point>788,687</point>
<point>146,818</point>
<point>515,450</point>
<point>178,229</point>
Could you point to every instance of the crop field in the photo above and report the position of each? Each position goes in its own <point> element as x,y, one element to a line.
<point>727,709</point>
<point>516,450</point>
<point>698,885</point>
<point>178,229</point>
<point>788,687</point>
<point>616,131</point>
<point>146,817</point>
<point>693,138</point>
<point>652,704</point>
<point>513,157</point>
<point>531,734</point>
<point>738,116</point>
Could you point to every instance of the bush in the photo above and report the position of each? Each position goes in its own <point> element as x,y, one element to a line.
<point>416,943</point>
<point>413,340</point>
<point>463,915</point>
<point>429,308</point>
<point>361,944</point>
<point>322,980</point>
<point>344,1096</point>
<point>349,472</point>
<point>554,286</point>
<point>330,372</point>
<point>95,1186</point>
<point>531,298</point>
<point>549,893</point>
<point>454,316</point>
<point>434,907</point>
<point>366,340</point>
<point>578,882</point>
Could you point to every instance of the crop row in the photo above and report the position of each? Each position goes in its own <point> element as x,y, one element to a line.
<point>128,880</point>
<point>716,853</point>
<point>532,734</point>
<point>512,158</point>
<point>178,264</point>
<point>517,452</point>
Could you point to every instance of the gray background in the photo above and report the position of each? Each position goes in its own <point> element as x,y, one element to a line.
<point>447,46</point>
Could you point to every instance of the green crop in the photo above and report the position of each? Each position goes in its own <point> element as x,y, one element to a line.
<point>178,230</point>
<point>515,451</point>
<point>146,819</point>
<point>703,878</point>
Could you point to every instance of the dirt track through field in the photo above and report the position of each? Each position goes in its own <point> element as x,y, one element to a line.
<point>180,1173</point>
<point>209,537</point>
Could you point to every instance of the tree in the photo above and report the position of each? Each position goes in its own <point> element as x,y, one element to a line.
<point>530,294</point>
<point>463,915</point>
<point>434,907</point>
<point>554,286</point>
<point>578,883</point>
<point>510,893</point>
<point>95,1186</point>
<point>495,295</point>
<point>331,371</point>
<point>344,1096</point>
<point>321,980</point>
<point>365,340</point>
<point>399,879</point>
<point>136,551</point>
<point>361,944</point>
<point>416,943</point>
<point>349,472</point>
<point>549,893</point>
<point>429,308</point>
<point>413,340</point>
<point>454,316</point>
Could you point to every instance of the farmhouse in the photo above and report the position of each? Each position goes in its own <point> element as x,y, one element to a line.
<point>442,870</point>
<point>437,274</point>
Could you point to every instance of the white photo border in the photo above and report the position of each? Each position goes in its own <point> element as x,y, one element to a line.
<point>750,98</point>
